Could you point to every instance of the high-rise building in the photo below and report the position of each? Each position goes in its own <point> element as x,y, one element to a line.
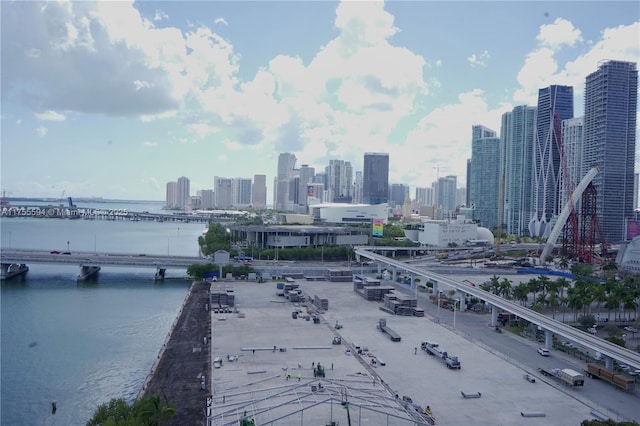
<point>183,192</point>
<point>259,192</point>
<point>572,140</point>
<point>447,194</point>
<point>241,190</point>
<point>340,180</point>
<point>286,165</point>
<point>611,105</point>
<point>517,168</point>
<point>306,174</point>
<point>172,195</point>
<point>555,103</point>
<point>375,178</point>
<point>223,192</point>
<point>206,199</point>
<point>397,194</point>
<point>424,196</point>
<point>357,188</point>
<point>485,187</point>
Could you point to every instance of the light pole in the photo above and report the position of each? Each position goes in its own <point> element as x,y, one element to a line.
<point>439,293</point>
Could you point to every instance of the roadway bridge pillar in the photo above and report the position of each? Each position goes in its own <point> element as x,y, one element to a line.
<point>10,270</point>
<point>160,273</point>
<point>463,299</point>
<point>494,316</point>
<point>87,272</point>
<point>394,274</point>
<point>548,339</point>
<point>608,362</point>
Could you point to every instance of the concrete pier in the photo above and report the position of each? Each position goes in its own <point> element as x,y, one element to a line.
<point>87,272</point>
<point>11,270</point>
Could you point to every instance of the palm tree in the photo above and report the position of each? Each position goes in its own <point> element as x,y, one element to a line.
<point>154,411</point>
<point>521,293</point>
<point>505,290</point>
<point>563,263</point>
<point>534,286</point>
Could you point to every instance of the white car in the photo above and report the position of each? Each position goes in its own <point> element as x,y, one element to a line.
<point>543,351</point>
<point>634,373</point>
<point>592,330</point>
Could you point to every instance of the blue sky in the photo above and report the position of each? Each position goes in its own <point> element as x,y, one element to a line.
<point>114,99</point>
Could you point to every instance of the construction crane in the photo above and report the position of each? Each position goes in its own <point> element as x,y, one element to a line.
<point>62,198</point>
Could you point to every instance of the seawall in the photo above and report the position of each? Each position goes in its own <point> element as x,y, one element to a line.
<point>183,359</point>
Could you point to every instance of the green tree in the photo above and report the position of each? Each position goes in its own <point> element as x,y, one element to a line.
<point>153,411</point>
<point>146,411</point>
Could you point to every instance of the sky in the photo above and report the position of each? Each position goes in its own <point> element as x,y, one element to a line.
<point>114,99</point>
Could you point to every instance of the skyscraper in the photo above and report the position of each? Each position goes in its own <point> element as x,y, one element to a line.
<point>516,167</point>
<point>485,150</point>
<point>375,178</point>
<point>611,104</point>
<point>340,179</point>
<point>555,103</point>
<point>183,192</point>
<point>259,192</point>
<point>447,194</point>
<point>286,165</point>
<point>306,178</point>
<point>172,195</point>
<point>223,192</point>
<point>572,140</point>
<point>241,192</point>
<point>397,194</point>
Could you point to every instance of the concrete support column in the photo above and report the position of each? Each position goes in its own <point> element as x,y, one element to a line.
<point>548,339</point>
<point>394,274</point>
<point>10,270</point>
<point>463,297</point>
<point>608,362</point>
<point>160,273</point>
<point>87,272</point>
<point>494,316</point>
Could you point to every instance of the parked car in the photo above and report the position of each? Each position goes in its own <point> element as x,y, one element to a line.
<point>543,351</point>
<point>592,330</point>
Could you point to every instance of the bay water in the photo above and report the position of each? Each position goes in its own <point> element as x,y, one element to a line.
<point>82,344</point>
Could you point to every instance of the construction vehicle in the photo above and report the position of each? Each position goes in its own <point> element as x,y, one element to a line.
<point>382,326</point>
<point>433,348</point>
<point>567,375</point>
<point>598,372</point>
<point>318,370</point>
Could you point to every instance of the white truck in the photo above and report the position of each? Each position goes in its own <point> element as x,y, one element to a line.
<point>567,375</point>
<point>432,348</point>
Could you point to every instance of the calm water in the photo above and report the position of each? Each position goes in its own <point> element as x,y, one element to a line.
<point>83,344</point>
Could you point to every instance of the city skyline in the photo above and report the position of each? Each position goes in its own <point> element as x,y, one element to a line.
<point>116,99</point>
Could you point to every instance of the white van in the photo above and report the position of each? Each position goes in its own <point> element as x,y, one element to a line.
<point>217,362</point>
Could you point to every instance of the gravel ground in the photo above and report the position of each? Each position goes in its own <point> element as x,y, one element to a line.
<point>184,359</point>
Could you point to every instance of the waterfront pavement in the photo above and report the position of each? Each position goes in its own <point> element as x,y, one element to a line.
<point>255,381</point>
<point>184,358</point>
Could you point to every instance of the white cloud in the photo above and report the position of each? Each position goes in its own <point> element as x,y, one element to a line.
<point>558,34</point>
<point>542,67</point>
<point>220,21</point>
<point>480,60</point>
<point>50,116</point>
<point>149,144</point>
<point>41,131</point>
<point>160,15</point>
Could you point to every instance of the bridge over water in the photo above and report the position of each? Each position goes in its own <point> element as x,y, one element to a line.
<point>14,261</point>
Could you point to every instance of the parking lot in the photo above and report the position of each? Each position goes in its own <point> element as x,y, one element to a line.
<point>255,380</point>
